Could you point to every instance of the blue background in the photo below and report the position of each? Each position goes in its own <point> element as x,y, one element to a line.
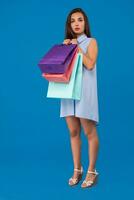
<point>35,153</point>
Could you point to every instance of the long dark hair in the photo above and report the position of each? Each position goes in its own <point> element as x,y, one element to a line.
<point>69,34</point>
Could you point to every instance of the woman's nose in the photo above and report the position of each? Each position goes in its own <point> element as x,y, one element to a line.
<point>76,24</point>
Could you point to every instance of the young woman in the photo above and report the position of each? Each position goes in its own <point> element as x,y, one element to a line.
<point>84,111</point>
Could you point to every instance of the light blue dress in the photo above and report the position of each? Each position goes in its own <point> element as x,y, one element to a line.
<point>87,106</point>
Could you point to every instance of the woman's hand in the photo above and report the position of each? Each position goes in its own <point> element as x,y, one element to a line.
<point>80,50</point>
<point>70,41</point>
<point>74,41</point>
<point>67,41</point>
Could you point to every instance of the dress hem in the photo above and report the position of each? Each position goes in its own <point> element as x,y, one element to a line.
<point>96,121</point>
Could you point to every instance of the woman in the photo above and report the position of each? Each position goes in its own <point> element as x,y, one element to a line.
<point>84,111</point>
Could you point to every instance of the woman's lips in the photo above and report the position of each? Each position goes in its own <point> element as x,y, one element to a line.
<point>77,29</point>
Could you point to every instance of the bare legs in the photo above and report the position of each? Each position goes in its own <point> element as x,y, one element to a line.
<point>74,125</point>
<point>93,142</point>
<point>93,145</point>
<point>75,140</point>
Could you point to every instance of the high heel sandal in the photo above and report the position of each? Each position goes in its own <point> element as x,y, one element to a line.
<point>90,183</point>
<point>74,181</point>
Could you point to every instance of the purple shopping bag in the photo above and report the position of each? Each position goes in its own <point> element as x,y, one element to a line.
<point>57,59</point>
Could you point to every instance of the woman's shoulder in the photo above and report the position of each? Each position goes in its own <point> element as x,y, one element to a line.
<point>93,41</point>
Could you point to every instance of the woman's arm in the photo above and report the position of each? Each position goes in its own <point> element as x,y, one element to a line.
<point>90,57</point>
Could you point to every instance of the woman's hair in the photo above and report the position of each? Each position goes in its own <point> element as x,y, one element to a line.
<point>69,34</point>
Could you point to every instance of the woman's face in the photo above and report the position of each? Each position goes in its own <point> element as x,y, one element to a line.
<point>77,23</point>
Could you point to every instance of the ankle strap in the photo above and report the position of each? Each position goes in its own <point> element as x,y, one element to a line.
<point>93,172</point>
<point>78,170</point>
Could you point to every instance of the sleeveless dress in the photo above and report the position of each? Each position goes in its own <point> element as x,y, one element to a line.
<point>87,106</point>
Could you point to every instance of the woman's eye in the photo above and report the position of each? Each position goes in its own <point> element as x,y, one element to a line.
<point>78,20</point>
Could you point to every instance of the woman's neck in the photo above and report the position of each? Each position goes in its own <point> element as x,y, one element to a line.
<point>78,35</point>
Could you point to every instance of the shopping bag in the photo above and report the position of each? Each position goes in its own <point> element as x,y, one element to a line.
<point>57,59</point>
<point>65,77</point>
<point>72,89</point>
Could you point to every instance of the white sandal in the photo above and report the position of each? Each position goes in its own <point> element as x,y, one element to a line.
<point>76,180</point>
<point>90,182</point>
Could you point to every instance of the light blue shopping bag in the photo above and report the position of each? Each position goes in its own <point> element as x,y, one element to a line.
<point>72,89</point>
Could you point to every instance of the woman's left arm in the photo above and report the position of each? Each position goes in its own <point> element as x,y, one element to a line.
<point>90,57</point>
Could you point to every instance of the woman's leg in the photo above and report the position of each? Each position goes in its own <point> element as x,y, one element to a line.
<point>90,131</point>
<point>74,127</point>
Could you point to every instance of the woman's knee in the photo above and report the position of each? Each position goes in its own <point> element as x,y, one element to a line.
<point>89,128</point>
<point>88,133</point>
<point>91,132</point>
<point>73,125</point>
<point>75,132</point>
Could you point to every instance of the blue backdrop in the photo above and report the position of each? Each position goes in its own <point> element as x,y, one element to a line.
<point>35,153</point>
